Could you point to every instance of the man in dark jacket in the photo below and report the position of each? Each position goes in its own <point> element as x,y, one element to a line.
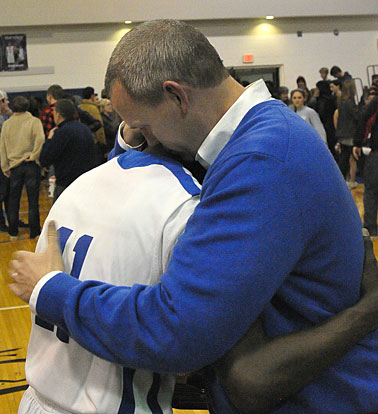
<point>368,129</point>
<point>70,147</point>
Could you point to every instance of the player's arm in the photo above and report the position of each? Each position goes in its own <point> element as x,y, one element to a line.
<point>259,373</point>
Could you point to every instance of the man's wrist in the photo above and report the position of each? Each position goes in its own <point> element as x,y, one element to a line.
<point>37,288</point>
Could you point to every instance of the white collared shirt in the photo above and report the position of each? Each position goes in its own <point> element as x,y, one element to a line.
<point>218,137</point>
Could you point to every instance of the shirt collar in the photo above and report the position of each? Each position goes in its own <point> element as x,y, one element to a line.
<point>218,137</point>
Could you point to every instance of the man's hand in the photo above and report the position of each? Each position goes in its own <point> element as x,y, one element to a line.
<point>7,173</point>
<point>26,268</point>
<point>51,133</point>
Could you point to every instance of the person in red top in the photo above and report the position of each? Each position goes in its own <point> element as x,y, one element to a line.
<point>54,93</point>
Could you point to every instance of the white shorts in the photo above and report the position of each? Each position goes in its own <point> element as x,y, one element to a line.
<point>33,404</point>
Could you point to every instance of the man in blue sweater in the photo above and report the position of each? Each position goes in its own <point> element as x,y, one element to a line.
<point>276,232</point>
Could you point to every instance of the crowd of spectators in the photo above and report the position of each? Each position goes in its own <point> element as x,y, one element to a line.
<point>349,123</point>
<point>59,139</point>
<point>331,108</point>
<point>337,113</point>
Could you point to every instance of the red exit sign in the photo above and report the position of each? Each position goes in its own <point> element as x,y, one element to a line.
<point>248,58</point>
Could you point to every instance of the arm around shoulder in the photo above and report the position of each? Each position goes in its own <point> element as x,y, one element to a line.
<point>259,373</point>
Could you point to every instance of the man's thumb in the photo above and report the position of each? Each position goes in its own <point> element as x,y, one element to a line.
<point>52,237</point>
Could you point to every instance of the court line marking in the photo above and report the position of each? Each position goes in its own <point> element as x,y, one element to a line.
<point>14,307</point>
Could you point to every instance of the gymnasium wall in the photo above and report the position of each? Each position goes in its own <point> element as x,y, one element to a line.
<point>76,56</point>
<point>52,12</point>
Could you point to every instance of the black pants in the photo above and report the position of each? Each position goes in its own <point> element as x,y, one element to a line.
<point>371,192</point>
<point>344,156</point>
<point>4,193</point>
<point>58,191</point>
<point>27,173</point>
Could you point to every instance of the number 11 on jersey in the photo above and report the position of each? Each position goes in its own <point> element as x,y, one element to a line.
<point>81,249</point>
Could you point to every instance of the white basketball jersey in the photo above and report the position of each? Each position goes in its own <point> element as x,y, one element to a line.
<point>117,223</point>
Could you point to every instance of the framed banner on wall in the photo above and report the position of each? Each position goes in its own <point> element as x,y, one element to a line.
<point>13,52</point>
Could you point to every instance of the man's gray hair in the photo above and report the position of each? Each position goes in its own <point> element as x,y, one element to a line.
<point>161,50</point>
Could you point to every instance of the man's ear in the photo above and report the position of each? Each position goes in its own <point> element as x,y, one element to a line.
<point>178,94</point>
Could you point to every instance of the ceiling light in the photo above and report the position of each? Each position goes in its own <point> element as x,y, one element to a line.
<point>269,17</point>
<point>128,21</point>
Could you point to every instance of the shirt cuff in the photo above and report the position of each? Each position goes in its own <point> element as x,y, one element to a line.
<point>37,288</point>
<point>120,139</point>
<point>124,145</point>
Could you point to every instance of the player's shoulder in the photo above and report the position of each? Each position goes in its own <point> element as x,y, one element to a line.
<point>160,168</point>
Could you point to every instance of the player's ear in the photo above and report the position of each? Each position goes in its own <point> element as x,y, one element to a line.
<point>178,94</point>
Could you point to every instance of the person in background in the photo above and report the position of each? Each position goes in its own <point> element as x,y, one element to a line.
<point>69,147</point>
<point>339,74</point>
<point>374,82</point>
<point>323,73</point>
<point>345,120</point>
<point>301,84</point>
<point>368,132</point>
<point>104,95</point>
<point>22,138</point>
<point>283,95</point>
<point>4,181</point>
<point>335,86</point>
<point>110,122</point>
<point>83,116</point>
<point>273,90</point>
<point>35,106</point>
<point>54,92</point>
<point>325,106</point>
<point>297,97</point>
<point>90,105</point>
<point>6,111</point>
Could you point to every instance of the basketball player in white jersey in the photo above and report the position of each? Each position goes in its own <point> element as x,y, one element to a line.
<point>119,220</point>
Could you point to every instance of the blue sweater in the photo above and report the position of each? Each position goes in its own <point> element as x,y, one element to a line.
<point>276,232</point>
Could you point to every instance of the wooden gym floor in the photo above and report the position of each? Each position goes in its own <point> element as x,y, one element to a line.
<point>15,315</point>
